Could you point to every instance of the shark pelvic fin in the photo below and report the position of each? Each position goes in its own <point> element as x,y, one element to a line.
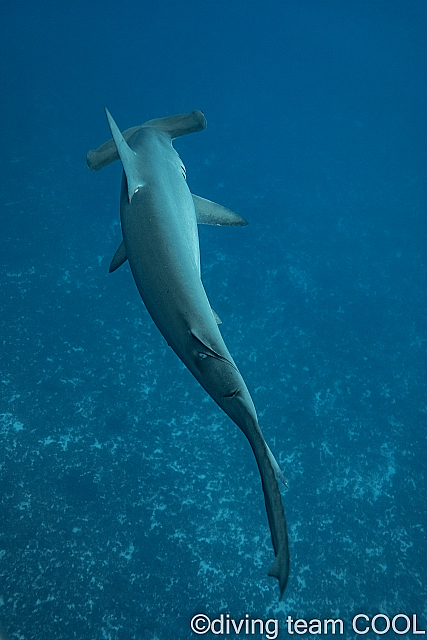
<point>127,156</point>
<point>216,316</point>
<point>119,257</point>
<point>205,350</point>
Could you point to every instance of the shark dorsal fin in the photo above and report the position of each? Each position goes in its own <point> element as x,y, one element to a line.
<point>127,156</point>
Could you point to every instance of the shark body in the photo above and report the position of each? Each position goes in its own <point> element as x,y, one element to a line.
<point>159,218</point>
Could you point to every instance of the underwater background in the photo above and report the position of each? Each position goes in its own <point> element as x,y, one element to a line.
<point>129,501</point>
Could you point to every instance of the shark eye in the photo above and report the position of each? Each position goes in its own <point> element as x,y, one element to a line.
<point>232,395</point>
<point>202,355</point>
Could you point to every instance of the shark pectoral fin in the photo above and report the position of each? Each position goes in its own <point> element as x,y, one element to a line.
<point>119,258</point>
<point>216,316</point>
<point>275,465</point>
<point>209,212</point>
<point>127,156</point>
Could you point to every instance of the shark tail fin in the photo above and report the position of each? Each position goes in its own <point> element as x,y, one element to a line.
<point>127,156</point>
<point>280,570</point>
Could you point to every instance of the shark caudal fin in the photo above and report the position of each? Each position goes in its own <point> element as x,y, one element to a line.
<point>277,521</point>
<point>280,570</point>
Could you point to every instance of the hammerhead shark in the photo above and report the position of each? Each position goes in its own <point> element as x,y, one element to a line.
<point>159,218</point>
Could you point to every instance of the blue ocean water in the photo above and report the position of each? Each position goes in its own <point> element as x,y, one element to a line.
<point>129,502</point>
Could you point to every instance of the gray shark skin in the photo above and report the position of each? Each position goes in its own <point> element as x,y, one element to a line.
<point>159,218</point>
